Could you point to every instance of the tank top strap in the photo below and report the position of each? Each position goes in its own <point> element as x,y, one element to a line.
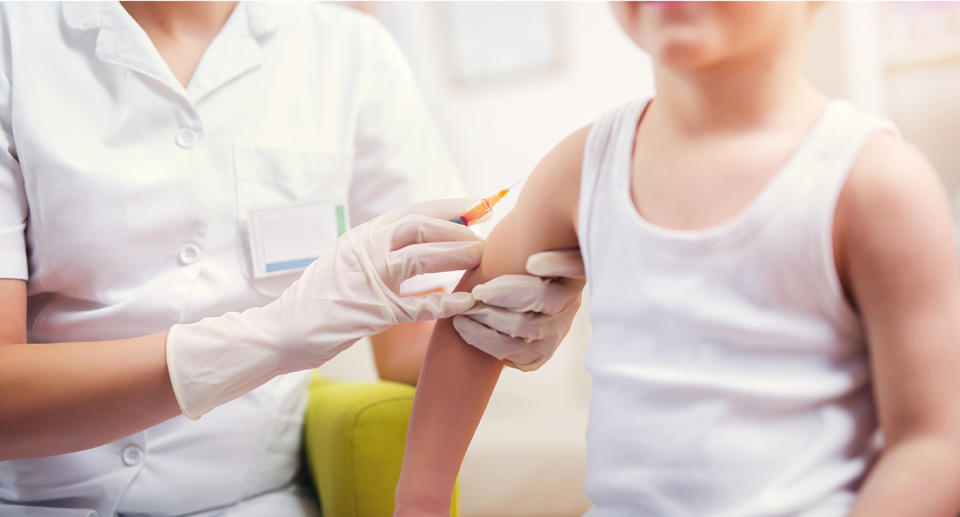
<point>825,167</point>
<point>825,162</point>
<point>601,160</point>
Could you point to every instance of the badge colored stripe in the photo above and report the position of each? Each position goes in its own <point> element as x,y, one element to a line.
<point>289,264</point>
<point>341,220</point>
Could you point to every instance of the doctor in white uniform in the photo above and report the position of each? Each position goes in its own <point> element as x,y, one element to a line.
<point>144,152</point>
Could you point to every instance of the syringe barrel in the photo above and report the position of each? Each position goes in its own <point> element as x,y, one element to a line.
<point>482,208</point>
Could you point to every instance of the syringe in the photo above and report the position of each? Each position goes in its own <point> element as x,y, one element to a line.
<point>482,208</point>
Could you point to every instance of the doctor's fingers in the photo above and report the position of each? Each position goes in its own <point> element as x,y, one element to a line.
<point>517,352</point>
<point>528,326</point>
<point>522,293</point>
<point>566,263</point>
<point>433,257</point>
<point>434,306</point>
<point>418,228</point>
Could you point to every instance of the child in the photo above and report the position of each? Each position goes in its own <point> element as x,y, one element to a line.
<point>773,281</point>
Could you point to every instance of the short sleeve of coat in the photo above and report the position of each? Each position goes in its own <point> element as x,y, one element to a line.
<point>13,200</point>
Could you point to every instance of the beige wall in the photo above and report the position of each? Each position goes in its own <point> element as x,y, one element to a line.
<point>924,101</point>
<point>849,57</point>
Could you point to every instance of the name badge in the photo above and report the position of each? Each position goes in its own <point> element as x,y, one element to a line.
<point>287,239</point>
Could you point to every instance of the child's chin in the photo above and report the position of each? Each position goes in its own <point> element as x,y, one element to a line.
<point>683,55</point>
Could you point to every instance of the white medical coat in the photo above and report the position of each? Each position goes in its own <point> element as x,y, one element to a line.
<point>124,198</point>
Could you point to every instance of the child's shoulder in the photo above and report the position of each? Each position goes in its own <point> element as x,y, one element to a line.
<point>566,157</point>
<point>890,172</point>
<point>893,211</point>
<point>555,182</point>
<point>553,188</point>
<point>564,162</point>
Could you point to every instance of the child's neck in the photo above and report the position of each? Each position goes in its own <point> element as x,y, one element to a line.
<point>760,90</point>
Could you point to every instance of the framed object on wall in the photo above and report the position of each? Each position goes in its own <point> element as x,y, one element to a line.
<point>488,42</point>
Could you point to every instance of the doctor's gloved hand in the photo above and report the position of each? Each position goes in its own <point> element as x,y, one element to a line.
<point>522,318</point>
<point>349,292</point>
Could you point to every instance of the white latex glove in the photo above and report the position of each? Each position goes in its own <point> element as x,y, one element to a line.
<point>347,293</point>
<point>522,318</point>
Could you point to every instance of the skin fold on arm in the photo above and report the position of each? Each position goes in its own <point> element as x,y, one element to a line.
<point>456,380</point>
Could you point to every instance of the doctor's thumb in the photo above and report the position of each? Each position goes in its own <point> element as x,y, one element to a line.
<point>441,305</point>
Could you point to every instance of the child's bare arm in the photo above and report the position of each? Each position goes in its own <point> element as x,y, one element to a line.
<point>897,256</point>
<point>456,379</point>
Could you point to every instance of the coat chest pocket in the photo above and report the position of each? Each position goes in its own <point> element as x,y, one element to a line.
<point>269,178</point>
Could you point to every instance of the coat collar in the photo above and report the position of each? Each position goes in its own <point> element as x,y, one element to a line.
<point>122,42</point>
<point>82,15</point>
<point>262,17</point>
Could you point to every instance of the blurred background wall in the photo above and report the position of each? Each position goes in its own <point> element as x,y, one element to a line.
<point>500,111</point>
<point>900,60</point>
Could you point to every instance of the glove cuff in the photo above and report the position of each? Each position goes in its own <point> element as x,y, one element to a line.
<point>178,391</point>
<point>216,360</point>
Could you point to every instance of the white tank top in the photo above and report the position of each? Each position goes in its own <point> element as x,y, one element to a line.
<point>730,376</point>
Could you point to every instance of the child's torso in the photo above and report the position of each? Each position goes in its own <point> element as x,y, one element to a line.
<point>691,179</point>
<point>730,375</point>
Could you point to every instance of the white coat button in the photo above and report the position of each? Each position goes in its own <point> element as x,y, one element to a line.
<point>189,253</point>
<point>186,138</point>
<point>131,455</point>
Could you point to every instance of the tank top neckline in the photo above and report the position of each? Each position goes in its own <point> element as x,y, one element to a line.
<point>746,220</point>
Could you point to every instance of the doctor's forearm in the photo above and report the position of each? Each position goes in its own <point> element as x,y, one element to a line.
<point>398,351</point>
<point>63,397</point>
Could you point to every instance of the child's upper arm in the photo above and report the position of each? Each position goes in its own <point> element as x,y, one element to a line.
<point>544,217</point>
<point>897,257</point>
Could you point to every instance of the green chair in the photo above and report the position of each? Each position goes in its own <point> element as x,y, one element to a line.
<point>354,438</point>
